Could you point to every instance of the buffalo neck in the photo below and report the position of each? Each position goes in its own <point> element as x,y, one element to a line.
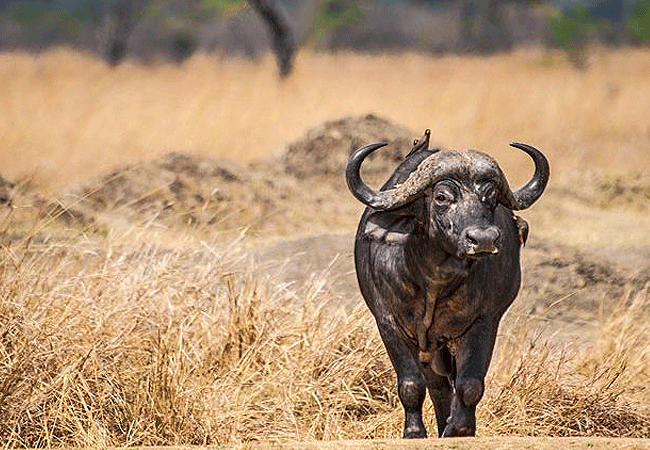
<point>439,272</point>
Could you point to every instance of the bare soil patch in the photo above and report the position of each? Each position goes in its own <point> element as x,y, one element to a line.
<point>510,443</point>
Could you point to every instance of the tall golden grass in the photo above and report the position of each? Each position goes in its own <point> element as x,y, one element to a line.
<point>114,343</point>
<point>66,116</point>
<point>128,336</point>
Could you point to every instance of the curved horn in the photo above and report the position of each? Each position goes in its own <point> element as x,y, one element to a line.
<point>531,191</point>
<point>360,190</point>
<point>393,198</point>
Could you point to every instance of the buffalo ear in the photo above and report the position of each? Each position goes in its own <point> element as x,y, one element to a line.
<point>390,235</point>
<point>506,198</point>
<point>394,227</point>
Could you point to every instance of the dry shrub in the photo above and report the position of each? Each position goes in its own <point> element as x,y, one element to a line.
<point>594,390</point>
<point>108,344</point>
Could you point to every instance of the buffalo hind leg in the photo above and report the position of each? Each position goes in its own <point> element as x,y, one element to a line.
<point>411,387</point>
<point>473,353</point>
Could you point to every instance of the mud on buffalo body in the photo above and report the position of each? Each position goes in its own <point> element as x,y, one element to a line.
<point>437,261</point>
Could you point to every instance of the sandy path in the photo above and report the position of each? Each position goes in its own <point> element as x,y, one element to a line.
<point>492,443</point>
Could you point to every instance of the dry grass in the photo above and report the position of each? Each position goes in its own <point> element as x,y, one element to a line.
<point>66,116</point>
<point>126,343</point>
<point>140,334</point>
<point>550,389</point>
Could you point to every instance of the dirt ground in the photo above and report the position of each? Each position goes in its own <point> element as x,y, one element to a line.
<point>514,443</point>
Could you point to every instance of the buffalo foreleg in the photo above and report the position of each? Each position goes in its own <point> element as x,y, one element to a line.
<point>441,395</point>
<point>411,386</point>
<point>473,352</point>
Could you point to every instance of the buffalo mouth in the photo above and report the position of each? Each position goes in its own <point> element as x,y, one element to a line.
<point>478,253</point>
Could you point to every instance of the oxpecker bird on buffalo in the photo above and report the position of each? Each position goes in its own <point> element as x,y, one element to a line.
<point>437,257</point>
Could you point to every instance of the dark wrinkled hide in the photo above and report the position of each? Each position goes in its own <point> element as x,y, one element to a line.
<point>431,275</point>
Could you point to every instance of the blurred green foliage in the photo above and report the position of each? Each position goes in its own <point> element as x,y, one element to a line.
<point>334,14</point>
<point>578,26</point>
<point>222,7</point>
<point>192,11</point>
<point>638,23</point>
<point>574,27</point>
<point>69,18</point>
<point>29,12</point>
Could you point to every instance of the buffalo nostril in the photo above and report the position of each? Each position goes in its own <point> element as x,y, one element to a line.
<point>482,240</point>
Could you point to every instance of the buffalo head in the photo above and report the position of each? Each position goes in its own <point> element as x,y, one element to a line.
<point>460,191</point>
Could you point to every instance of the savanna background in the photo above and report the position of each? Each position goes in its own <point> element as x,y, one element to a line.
<point>176,234</point>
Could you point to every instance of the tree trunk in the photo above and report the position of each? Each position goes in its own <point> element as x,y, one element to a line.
<point>283,41</point>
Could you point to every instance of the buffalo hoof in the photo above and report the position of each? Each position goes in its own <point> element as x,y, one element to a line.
<point>457,431</point>
<point>415,432</point>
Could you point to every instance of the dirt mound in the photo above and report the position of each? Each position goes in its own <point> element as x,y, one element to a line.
<point>605,189</point>
<point>180,189</point>
<point>560,282</point>
<point>324,150</point>
<point>5,191</point>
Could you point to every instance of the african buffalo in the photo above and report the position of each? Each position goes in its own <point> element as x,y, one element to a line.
<point>437,260</point>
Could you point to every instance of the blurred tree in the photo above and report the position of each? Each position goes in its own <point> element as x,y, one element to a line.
<point>282,38</point>
<point>44,22</point>
<point>572,31</point>
<point>481,24</point>
<point>182,45</point>
<point>614,13</point>
<point>178,27</point>
<point>119,19</point>
<point>121,16</point>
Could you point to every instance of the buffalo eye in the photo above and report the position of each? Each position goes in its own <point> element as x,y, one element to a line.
<point>443,195</point>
